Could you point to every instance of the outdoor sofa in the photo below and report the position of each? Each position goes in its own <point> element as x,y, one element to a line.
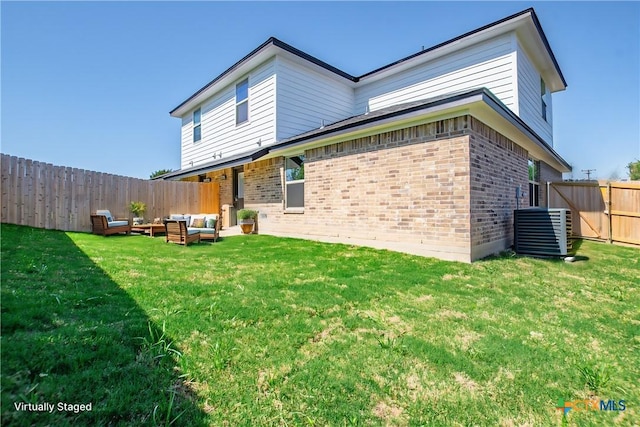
<point>208,224</point>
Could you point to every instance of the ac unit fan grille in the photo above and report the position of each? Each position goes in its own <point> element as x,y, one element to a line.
<point>542,231</point>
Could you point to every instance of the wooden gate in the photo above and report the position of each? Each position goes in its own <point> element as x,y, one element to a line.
<point>600,210</point>
<point>210,197</point>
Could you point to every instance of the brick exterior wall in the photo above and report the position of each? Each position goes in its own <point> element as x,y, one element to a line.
<point>409,185</point>
<point>497,167</point>
<point>264,192</point>
<point>404,185</point>
<point>226,186</point>
<point>446,187</point>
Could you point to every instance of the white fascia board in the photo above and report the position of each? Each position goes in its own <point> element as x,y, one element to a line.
<point>529,39</point>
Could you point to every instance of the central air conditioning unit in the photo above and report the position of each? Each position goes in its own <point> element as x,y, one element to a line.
<point>544,232</point>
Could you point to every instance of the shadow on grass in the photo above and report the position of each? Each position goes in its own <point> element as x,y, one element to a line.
<point>575,250</point>
<point>71,335</point>
<point>510,254</point>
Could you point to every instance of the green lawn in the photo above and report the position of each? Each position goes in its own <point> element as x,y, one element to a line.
<point>257,330</point>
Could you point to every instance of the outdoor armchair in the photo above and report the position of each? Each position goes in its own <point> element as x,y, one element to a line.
<point>102,222</point>
<point>177,232</point>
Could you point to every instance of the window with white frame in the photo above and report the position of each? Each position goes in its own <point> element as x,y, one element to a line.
<point>543,97</point>
<point>197,131</point>
<point>242,101</point>
<point>294,182</point>
<point>534,182</point>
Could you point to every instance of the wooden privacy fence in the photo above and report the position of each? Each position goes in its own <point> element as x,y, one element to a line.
<point>600,210</point>
<point>56,197</point>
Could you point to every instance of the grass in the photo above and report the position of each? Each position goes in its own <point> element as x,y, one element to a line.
<point>257,330</point>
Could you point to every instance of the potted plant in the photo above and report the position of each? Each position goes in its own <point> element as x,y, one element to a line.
<point>247,219</point>
<point>137,209</point>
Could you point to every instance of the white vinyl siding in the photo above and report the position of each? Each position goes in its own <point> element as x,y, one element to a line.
<point>288,97</point>
<point>219,131</point>
<point>306,98</point>
<point>487,64</point>
<point>529,98</point>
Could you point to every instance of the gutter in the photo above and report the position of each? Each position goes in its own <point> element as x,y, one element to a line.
<point>483,94</point>
<point>380,118</point>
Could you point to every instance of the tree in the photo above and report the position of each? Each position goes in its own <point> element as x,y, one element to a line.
<point>634,170</point>
<point>160,172</point>
<point>298,173</point>
<point>295,168</point>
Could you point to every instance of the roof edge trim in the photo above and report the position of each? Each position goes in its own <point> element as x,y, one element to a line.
<point>543,37</point>
<point>224,73</point>
<point>480,95</point>
<point>310,58</point>
<point>488,97</point>
<point>274,42</point>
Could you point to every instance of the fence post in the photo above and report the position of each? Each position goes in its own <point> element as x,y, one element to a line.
<point>610,210</point>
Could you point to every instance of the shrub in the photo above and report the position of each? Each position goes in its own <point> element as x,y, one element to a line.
<point>244,214</point>
<point>137,208</point>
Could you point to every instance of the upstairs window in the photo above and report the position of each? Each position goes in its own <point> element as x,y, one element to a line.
<point>543,96</point>
<point>197,132</point>
<point>294,182</point>
<point>242,101</point>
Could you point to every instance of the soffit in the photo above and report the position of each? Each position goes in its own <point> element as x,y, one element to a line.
<point>213,166</point>
<point>541,56</point>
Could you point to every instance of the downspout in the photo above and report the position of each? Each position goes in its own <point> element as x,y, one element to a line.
<point>548,198</point>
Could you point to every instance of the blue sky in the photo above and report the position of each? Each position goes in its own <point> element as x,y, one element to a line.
<point>90,84</point>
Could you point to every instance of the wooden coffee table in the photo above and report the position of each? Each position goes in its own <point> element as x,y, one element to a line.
<point>149,229</point>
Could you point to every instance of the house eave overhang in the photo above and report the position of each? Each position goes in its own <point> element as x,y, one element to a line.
<point>535,42</point>
<point>479,103</point>
<point>496,115</point>
<point>525,24</point>
<point>220,164</point>
<point>259,55</point>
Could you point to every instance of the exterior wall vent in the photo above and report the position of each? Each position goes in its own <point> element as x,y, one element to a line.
<point>543,232</point>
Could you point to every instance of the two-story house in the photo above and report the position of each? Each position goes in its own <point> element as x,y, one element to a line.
<point>430,154</point>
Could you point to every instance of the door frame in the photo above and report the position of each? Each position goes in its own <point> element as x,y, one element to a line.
<point>238,202</point>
